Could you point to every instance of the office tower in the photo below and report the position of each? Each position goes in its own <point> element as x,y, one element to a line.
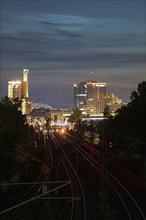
<point>14,89</point>
<point>80,94</point>
<point>26,107</point>
<point>19,89</point>
<point>92,98</point>
<point>96,90</point>
<point>25,83</point>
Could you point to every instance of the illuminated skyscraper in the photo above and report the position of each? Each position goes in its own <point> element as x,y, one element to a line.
<point>25,83</point>
<point>92,98</point>
<point>14,89</point>
<point>88,90</point>
<point>26,102</point>
<point>19,89</point>
<point>95,90</point>
<point>80,94</point>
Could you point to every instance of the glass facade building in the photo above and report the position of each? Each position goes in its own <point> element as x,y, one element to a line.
<point>80,94</point>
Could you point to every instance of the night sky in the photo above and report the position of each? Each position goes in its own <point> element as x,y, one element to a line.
<point>62,42</point>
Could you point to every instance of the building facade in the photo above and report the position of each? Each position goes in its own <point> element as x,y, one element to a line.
<point>26,106</point>
<point>80,94</point>
<point>95,90</point>
<point>19,89</point>
<point>25,83</point>
<point>92,98</point>
<point>14,89</point>
<point>94,107</point>
<point>84,91</point>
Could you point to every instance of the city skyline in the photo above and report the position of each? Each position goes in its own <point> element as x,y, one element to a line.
<point>63,42</point>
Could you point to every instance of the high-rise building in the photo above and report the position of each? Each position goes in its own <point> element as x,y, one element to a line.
<point>92,98</point>
<point>19,89</point>
<point>95,90</point>
<point>25,83</point>
<point>14,89</point>
<point>80,94</point>
<point>84,91</point>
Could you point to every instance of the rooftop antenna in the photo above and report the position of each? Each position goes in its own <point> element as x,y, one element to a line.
<point>91,76</point>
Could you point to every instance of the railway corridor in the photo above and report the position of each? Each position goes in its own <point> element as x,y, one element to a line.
<point>96,190</point>
<point>74,182</point>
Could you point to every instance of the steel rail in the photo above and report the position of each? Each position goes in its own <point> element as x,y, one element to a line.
<point>65,167</point>
<point>84,204</point>
<point>72,203</point>
<point>133,200</point>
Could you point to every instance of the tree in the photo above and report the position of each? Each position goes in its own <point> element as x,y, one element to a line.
<point>133,117</point>
<point>128,127</point>
<point>76,118</point>
<point>14,131</point>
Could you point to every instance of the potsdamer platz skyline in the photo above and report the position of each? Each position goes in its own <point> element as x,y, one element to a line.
<point>89,96</point>
<point>92,98</point>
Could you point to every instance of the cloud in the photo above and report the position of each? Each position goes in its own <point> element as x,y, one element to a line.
<point>20,39</point>
<point>48,23</point>
<point>62,42</point>
<point>130,34</point>
<point>69,34</point>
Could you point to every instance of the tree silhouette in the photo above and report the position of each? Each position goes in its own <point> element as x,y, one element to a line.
<point>128,127</point>
<point>14,131</point>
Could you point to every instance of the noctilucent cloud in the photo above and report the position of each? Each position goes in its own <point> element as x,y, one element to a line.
<point>62,42</point>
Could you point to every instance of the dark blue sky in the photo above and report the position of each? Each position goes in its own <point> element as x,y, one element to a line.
<point>62,42</point>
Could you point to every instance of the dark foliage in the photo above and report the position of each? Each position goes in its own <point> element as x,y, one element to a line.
<point>14,131</point>
<point>127,129</point>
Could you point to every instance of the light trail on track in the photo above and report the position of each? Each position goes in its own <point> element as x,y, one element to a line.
<point>69,171</point>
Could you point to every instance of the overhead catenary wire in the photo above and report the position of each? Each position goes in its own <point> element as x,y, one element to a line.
<point>12,184</point>
<point>34,198</point>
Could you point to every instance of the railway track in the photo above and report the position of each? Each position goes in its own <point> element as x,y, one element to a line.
<point>130,205</point>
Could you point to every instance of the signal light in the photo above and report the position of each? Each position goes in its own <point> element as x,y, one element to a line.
<point>110,144</point>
